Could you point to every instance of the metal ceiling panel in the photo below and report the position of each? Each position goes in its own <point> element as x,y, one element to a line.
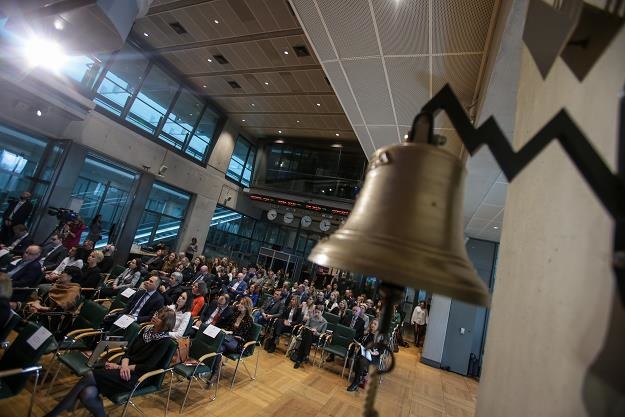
<point>460,25</point>
<point>402,26</point>
<point>410,85</point>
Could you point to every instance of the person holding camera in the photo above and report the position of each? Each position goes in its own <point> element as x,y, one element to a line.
<point>73,230</point>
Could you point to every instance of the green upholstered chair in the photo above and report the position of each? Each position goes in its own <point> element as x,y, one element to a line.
<point>20,361</point>
<point>248,350</point>
<point>203,357</point>
<point>339,344</point>
<point>148,383</point>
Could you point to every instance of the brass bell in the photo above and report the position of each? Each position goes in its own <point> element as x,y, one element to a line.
<point>407,225</point>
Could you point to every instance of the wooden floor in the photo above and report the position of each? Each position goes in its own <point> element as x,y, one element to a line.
<point>412,389</point>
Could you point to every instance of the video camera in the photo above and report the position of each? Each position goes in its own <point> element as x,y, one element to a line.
<point>63,214</point>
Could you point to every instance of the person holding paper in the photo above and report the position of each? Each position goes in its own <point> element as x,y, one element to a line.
<point>142,305</point>
<point>182,308</point>
<point>314,327</point>
<point>127,279</point>
<point>218,312</point>
<point>143,355</point>
<point>366,355</point>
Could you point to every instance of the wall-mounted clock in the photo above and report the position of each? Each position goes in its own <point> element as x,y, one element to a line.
<point>306,221</point>
<point>324,225</point>
<point>288,217</point>
<point>272,214</point>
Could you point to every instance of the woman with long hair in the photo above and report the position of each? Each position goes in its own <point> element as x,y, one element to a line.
<point>182,308</point>
<point>170,263</point>
<point>370,356</point>
<point>127,279</point>
<point>240,325</point>
<point>143,355</point>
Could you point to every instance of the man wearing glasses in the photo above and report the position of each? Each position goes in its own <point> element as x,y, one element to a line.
<point>53,253</point>
<point>26,273</point>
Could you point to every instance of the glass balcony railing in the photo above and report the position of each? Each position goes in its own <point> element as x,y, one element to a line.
<point>314,185</point>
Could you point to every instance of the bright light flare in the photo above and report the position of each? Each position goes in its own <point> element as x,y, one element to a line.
<point>44,53</point>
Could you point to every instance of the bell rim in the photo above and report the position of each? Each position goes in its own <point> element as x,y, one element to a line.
<point>468,286</point>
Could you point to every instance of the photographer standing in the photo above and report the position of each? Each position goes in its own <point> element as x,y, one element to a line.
<point>16,213</point>
<point>74,229</point>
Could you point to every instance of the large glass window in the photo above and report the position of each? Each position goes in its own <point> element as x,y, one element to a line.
<point>241,165</point>
<point>164,214</point>
<point>154,98</point>
<point>104,189</point>
<point>85,70</point>
<point>122,79</point>
<point>200,142</point>
<point>181,120</point>
<point>26,164</point>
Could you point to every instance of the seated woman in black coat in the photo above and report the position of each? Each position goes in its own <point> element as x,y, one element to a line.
<point>372,356</point>
<point>143,355</point>
<point>240,325</point>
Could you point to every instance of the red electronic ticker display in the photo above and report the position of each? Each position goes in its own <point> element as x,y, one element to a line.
<point>297,204</point>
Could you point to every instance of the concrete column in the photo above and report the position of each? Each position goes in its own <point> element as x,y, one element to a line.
<point>135,212</point>
<point>555,342</point>
<point>220,156</point>
<point>61,191</point>
<point>198,221</point>
<point>437,330</point>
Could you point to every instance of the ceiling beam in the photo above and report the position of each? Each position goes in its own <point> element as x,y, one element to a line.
<point>286,94</point>
<point>180,4</point>
<point>289,68</point>
<point>236,39</point>
<point>302,128</point>
<point>339,113</point>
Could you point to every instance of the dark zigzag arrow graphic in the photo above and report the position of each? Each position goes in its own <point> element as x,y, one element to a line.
<point>609,188</point>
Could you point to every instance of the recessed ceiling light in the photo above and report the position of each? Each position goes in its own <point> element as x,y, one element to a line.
<point>297,121</point>
<point>318,104</point>
<point>279,131</point>
<point>253,105</point>
<point>286,52</point>
<point>336,134</point>
<point>209,60</point>
<point>337,145</point>
<point>406,136</point>
<point>279,141</point>
<point>204,86</point>
<point>38,113</point>
<point>266,83</point>
<point>145,34</point>
<point>242,120</point>
<point>59,24</point>
<point>216,21</point>
<point>495,227</point>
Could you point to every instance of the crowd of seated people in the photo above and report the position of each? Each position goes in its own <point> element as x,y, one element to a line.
<point>178,295</point>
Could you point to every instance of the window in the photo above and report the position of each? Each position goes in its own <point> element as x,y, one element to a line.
<point>200,142</point>
<point>163,215</point>
<point>26,164</point>
<point>122,79</point>
<point>104,188</point>
<point>181,120</point>
<point>152,101</point>
<point>84,70</point>
<point>241,166</point>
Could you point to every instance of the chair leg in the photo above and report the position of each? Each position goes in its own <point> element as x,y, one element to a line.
<point>33,395</point>
<point>344,365</point>
<point>256,367</point>
<point>186,394</point>
<point>218,378</point>
<point>351,368</point>
<point>171,382</point>
<point>58,369</point>
<point>236,368</point>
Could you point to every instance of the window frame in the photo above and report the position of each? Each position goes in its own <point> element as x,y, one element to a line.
<point>154,137</point>
<point>239,180</point>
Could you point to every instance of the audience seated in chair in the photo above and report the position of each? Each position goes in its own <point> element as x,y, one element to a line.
<point>142,305</point>
<point>271,309</point>
<point>142,356</point>
<point>6,289</point>
<point>173,289</point>
<point>69,260</point>
<point>15,249</point>
<point>26,273</point>
<point>237,288</point>
<point>361,363</point>
<point>90,277</point>
<point>127,279</point>
<point>106,264</point>
<point>63,295</point>
<point>290,317</point>
<point>53,253</point>
<point>199,291</point>
<point>218,313</point>
<point>313,328</point>
<point>182,308</point>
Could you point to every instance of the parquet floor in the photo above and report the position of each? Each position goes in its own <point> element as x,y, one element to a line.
<point>412,389</point>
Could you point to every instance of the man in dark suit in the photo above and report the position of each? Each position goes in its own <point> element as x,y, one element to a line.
<point>218,313</point>
<point>21,240</point>
<point>27,273</point>
<point>142,305</point>
<point>237,288</point>
<point>53,253</point>
<point>356,322</point>
<point>203,275</point>
<point>16,213</point>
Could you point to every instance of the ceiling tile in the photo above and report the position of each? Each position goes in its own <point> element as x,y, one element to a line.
<point>410,85</point>
<point>403,26</point>
<point>460,25</point>
<point>384,135</point>
<point>369,85</point>
<point>460,72</point>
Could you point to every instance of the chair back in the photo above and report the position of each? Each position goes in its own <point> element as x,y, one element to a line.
<point>10,325</point>
<point>187,330</point>
<point>21,355</point>
<point>343,336</point>
<point>128,334</point>
<point>91,315</point>
<point>254,335</point>
<point>116,270</point>
<point>331,318</point>
<point>157,380</point>
<point>202,344</point>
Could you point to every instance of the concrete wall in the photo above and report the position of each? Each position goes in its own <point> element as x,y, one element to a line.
<point>436,331</point>
<point>555,344</point>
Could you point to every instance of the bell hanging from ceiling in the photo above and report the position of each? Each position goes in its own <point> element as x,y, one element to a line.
<point>407,225</point>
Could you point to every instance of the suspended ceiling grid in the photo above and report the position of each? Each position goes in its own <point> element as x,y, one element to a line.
<point>279,93</point>
<point>386,58</point>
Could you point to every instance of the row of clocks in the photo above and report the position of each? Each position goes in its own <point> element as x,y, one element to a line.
<point>306,221</point>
